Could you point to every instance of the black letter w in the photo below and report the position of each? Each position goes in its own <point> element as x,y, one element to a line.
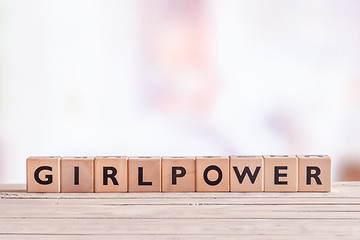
<point>246,171</point>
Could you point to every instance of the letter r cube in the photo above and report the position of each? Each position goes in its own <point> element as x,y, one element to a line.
<point>111,174</point>
<point>314,173</point>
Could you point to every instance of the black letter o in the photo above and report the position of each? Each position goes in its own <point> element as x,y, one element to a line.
<point>207,170</point>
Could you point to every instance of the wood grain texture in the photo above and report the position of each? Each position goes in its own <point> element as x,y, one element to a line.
<point>47,169</point>
<point>183,169</point>
<point>242,169</point>
<point>110,173</point>
<point>320,167</point>
<point>144,174</point>
<point>192,215</point>
<point>281,173</point>
<point>77,174</point>
<point>212,174</point>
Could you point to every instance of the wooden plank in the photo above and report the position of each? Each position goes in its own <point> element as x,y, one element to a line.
<point>12,188</point>
<point>178,227</point>
<point>334,215</point>
<point>179,212</point>
<point>193,201</point>
<point>353,202</point>
<point>340,190</point>
<point>64,205</point>
<point>174,236</point>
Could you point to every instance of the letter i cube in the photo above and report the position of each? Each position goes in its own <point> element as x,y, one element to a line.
<point>77,174</point>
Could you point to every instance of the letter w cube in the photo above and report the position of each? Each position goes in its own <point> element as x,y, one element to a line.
<point>246,174</point>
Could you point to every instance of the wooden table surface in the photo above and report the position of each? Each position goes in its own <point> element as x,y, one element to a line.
<point>107,216</point>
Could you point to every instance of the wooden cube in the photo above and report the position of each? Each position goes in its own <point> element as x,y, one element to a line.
<point>77,174</point>
<point>110,174</point>
<point>281,173</point>
<point>212,174</point>
<point>144,174</point>
<point>314,173</point>
<point>178,174</point>
<point>246,174</point>
<point>43,174</point>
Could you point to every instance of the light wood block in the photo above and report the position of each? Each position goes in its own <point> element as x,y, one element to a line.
<point>246,174</point>
<point>77,174</point>
<point>43,174</point>
<point>281,173</point>
<point>110,174</point>
<point>178,174</point>
<point>212,174</point>
<point>144,174</point>
<point>314,173</point>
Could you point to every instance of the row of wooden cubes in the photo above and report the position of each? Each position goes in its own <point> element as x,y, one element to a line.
<point>271,173</point>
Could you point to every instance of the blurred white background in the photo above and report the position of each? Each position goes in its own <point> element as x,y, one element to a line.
<point>173,77</point>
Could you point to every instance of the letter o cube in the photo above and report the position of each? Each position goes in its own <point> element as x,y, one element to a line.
<point>212,174</point>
